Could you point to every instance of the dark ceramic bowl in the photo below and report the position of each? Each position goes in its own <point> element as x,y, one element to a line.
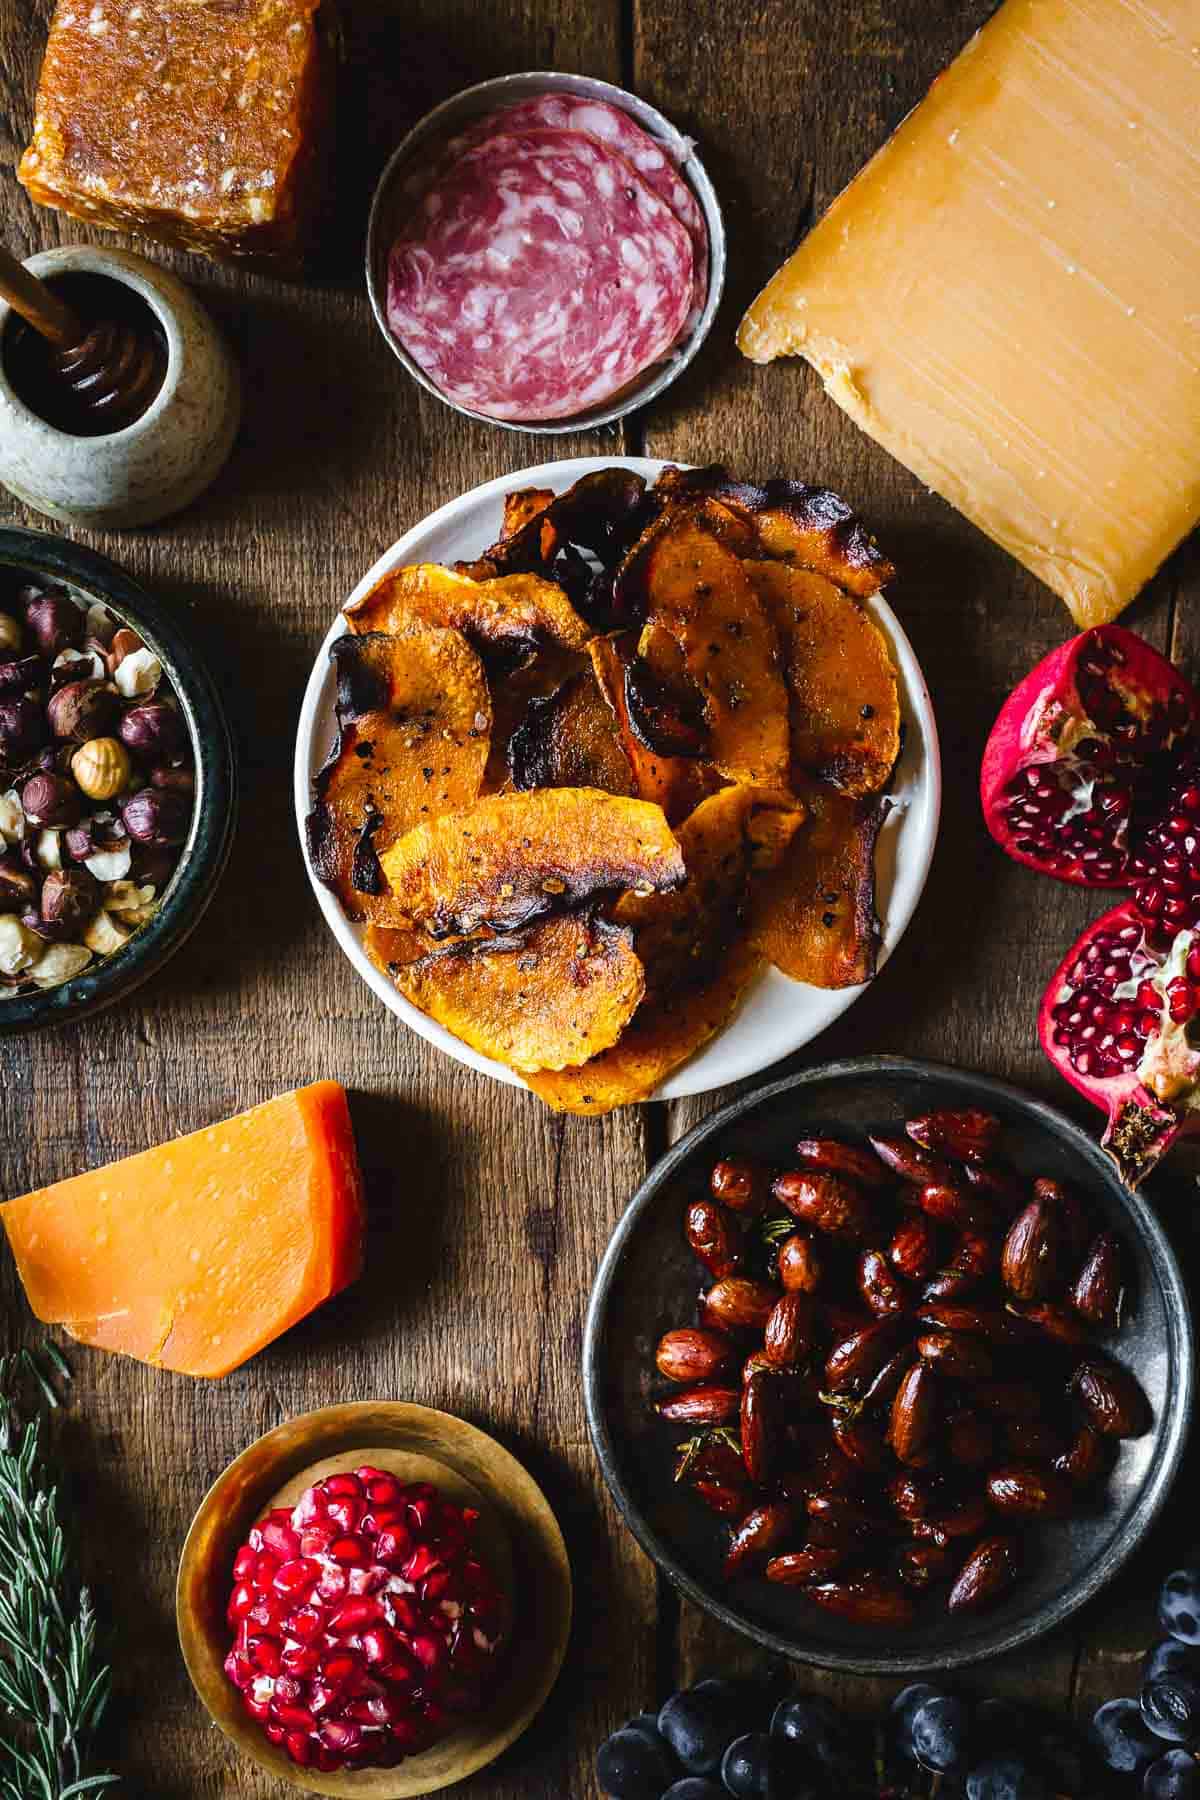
<point>203,856</point>
<point>647,1284</point>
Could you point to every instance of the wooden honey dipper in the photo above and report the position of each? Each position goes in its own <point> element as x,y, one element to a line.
<point>109,372</point>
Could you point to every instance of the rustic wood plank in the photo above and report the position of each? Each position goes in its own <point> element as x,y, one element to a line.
<point>488,1216</point>
<point>785,111</point>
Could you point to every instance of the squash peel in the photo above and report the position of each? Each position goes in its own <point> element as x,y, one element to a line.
<point>414,726</point>
<point>511,858</point>
<point>548,997</point>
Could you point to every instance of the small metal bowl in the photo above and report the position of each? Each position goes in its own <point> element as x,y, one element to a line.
<point>90,576</point>
<point>389,211</point>
<point>519,1536</point>
<point>647,1283</point>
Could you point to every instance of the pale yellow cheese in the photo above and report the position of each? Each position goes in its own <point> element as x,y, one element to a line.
<point>1008,296</point>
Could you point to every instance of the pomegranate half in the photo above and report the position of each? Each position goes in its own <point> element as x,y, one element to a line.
<point>1092,774</point>
<point>365,1626</point>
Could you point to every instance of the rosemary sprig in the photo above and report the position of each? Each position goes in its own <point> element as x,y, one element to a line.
<point>54,1683</point>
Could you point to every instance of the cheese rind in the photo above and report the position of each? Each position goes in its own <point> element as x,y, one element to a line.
<point>1007,297</point>
<point>195,1255</point>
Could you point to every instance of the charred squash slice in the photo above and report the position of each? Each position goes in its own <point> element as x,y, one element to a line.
<point>845,706</point>
<point>512,858</point>
<point>414,725</point>
<point>506,619</point>
<point>547,997</point>
<point>814,917</point>
<point>676,783</point>
<point>570,739</point>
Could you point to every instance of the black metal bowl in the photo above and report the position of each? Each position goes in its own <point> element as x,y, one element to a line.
<point>203,856</point>
<point>647,1283</point>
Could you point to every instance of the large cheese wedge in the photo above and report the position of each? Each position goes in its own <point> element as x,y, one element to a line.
<point>197,1254</point>
<point>1007,297</point>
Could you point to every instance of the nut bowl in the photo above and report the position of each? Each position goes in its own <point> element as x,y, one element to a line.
<point>647,1284</point>
<point>89,577</point>
<point>388,210</point>
<point>519,1537</point>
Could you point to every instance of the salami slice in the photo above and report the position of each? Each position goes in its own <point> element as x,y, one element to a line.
<point>539,276</point>
<point>621,131</point>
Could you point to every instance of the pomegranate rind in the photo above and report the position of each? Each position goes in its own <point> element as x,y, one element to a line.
<point>1141,1129</point>
<point>1045,709</point>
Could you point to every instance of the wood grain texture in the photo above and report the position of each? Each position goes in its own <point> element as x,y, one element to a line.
<point>487,1215</point>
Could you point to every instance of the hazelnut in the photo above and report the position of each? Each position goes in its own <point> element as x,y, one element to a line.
<point>21,674</point>
<point>51,801</point>
<point>22,729</point>
<point>70,898</point>
<point>174,781</point>
<point>82,710</point>
<point>62,962</point>
<point>151,729</point>
<point>102,768</point>
<point>55,622</point>
<point>138,672</point>
<point>157,816</point>
<point>47,929</point>
<point>17,886</point>
<point>11,635</point>
<point>19,948</point>
<point>124,643</point>
<point>80,842</point>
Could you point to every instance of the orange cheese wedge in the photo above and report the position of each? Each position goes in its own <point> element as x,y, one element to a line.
<point>195,1255</point>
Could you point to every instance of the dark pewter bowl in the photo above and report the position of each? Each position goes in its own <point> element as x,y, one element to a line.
<point>203,857</point>
<point>647,1284</point>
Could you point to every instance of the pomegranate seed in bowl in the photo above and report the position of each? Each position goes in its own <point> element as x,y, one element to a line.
<point>362,1617</point>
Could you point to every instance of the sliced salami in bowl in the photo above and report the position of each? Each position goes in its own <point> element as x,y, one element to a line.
<point>539,272</point>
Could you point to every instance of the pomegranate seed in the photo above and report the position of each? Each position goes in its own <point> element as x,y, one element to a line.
<point>394,1546</point>
<point>240,1602</point>
<point>367,1581</point>
<point>429,1651</point>
<point>355,1615</point>
<point>341,1734</point>
<point>298,1579</point>
<point>244,1564</point>
<point>307,1624</point>
<point>239,1671</point>
<point>421,1563</point>
<point>348,1550</point>
<point>322,1696</point>
<point>294,1718</point>
<point>383,1490</point>
<point>347,1515</point>
<point>333,1584</point>
<point>299,1748</point>
<point>341,1668</point>
<point>343,1487</point>
<point>367,1472</point>
<point>281,1540</point>
<point>274,1734</point>
<point>258,1709</point>
<point>301,1659</point>
<point>327,1760</point>
<point>380,1644</point>
<point>314,1539</point>
<point>266,1654</point>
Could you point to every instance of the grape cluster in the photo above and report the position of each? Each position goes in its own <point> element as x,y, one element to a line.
<point>1155,1739</point>
<point>725,1738</point>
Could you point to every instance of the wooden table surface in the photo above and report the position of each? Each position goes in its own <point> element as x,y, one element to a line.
<point>488,1214</point>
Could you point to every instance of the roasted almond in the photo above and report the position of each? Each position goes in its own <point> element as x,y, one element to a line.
<point>1025,1491</point>
<point>860,1440</point>
<point>705,1405</point>
<point>914,1414</point>
<point>950,1203</point>
<point>712,1238</point>
<point>880,1391</point>
<point>840,1158</point>
<point>913,1250</point>
<point>975,1256</point>
<point>1075,1229</point>
<point>828,1203</point>
<point>788,1333</point>
<point>910,1162</point>
<point>925,1565</point>
<point>744,1187</point>
<point>950,1525</point>
<point>1098,1292</point>
<point>1087,1458</point>
<point>1005,1191</point>
<point>1112,1399</point>
<point>855,1359</point>
<point>760,1534</point>
<point>865,1600</point>
<point>957,1355</point>
<point>728,1500</point>
<point>966,1134</point>
<point>761,1426</point>
<point>1054,1322</point>
<point>691,1354</point>
<point>992,1568</point>
<point>913,1496</point>
<point>1030,1262</point>
<point>739,1303</point>
<point>881,1289</point>
<point>799,1264</point>
<point>796,1568</point>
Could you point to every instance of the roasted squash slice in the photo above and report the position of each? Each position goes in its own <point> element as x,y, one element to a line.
<point>807,525</point>
<point>509,618</point>
<point>414,725</point>
<point>676,783</point>
<point>814,917</point>
<point>845,707</point>
<point>695,948</point>
<point>697,593</point>
<point>547,997</point>
<point>570,739</point>
<point>512,858</point>
<point>522,505</point>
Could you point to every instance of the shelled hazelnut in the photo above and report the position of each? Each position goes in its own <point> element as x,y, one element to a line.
<point>102,768</point>
<point>11,635</point>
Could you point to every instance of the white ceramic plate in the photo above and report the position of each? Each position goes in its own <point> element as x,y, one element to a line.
<point>778,1015</point>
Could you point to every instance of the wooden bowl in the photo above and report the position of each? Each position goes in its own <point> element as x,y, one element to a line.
<point>519,1537</point>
